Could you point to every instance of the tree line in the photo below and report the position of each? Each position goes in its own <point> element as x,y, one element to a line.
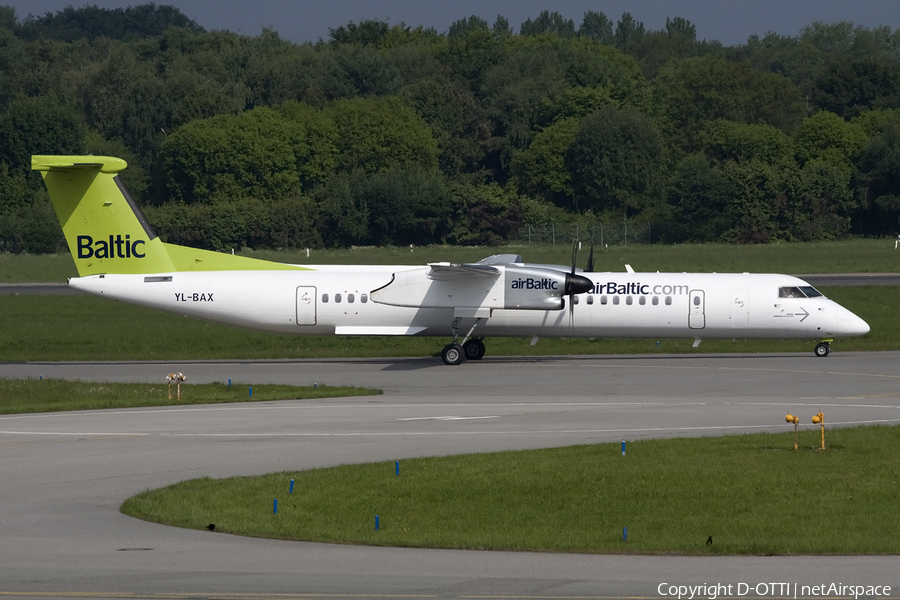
<point>393,134</point>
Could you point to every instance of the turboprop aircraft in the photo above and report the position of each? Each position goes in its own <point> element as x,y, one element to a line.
<point>118,256</point>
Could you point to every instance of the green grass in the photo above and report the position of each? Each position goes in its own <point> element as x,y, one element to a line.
<point>59,328</point>
<point>753,494</point>
<point>45,395</point>
<point>850,256</point>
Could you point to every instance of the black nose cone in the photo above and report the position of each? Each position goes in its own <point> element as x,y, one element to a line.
<point>578,284</point>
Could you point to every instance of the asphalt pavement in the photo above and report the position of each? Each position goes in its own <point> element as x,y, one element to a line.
<point>64,475</point>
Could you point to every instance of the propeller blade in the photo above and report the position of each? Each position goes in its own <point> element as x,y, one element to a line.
<point>569,287</point>
<point>590,263</point>
<point>574,254</point>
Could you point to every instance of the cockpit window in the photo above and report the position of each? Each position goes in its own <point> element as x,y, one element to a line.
<point>790,292</point>
<point>810,291</point>
<point>805,291</point>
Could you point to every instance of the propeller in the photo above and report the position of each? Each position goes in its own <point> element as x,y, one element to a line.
<point>570,283</point>
<point>590,263</point>
<point>577,284</point>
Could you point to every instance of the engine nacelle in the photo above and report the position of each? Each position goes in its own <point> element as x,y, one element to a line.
<point>445,285</point>
<point>541,288</point>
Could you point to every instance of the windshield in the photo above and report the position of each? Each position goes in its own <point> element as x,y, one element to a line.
<point>804,291</point>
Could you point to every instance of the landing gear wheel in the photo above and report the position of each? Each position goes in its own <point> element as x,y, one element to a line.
<point>823,349</point>
<point>452,354</point>
<point>474,349</point>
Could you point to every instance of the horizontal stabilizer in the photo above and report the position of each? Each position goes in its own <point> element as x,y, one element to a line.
<point>104,164</point>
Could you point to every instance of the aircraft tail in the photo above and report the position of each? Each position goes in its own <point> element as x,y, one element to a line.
<point>106,231</point>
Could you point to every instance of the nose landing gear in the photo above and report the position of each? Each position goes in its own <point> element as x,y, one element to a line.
<point>823,348</point>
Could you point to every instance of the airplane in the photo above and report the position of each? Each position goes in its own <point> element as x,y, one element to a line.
<point>119,256</point>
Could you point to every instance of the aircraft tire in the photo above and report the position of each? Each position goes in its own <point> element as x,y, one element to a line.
<point>452,354</point>
<point>822,349</point>
<point>474,349</point>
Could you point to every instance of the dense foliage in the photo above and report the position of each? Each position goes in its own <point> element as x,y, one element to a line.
<point>390,134</point>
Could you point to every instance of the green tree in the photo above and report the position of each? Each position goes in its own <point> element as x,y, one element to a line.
<point>628,32</point>
<point>343,218</point>
<point>293,223</point>
<point>729,141</point>
<point>847,86</point>
<point>368,32</point>
<point>375,134</point>
<point>690,92</point>
<point>541,171</point>
<point>461,129</point>
<point>69,24</point>
<point>597,27</point>
<point>656,48</point>
<point>879,183</point>
<point>406,205</point>
<point>254,154</point>
<point>39,126</point>
<point>615,161</point>
<point>485,214</point>
<point>521,91</point>
<point>819,199</point>
<point>471,56</point>
<point>549,22</point>
<point>501,29</point>
<point>824,134</point>
<point>462,27</point>
<point>753,212</point>
<point>699,195</point>
<point>8,18</point>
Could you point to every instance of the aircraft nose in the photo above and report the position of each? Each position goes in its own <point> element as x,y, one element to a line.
<point>849,324</point>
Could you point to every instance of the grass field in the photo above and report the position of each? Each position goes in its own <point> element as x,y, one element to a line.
<point>45,395</point>
<point>58,328</point>
<point>752,494</point>
<point>851,256</point>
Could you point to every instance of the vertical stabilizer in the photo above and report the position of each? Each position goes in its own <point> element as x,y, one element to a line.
<point>105,230</point>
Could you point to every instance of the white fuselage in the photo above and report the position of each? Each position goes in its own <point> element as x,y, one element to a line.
<point>329,300</point>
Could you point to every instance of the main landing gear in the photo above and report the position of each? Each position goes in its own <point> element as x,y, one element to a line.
<point>470,348</point>
<point>823,348</point>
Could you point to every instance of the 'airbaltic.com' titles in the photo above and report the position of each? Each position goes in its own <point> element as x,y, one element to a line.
<point>119,256</point>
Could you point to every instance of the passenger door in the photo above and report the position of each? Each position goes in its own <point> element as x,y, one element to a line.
<point>306,305</point>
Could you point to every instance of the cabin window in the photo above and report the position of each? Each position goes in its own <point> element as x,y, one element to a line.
<point>603,300</point>
<point>574,299</point>
<point>696,300</point>
<point>351,298</point>
<point>615,300</point>
<point>337,298</point>
<point>363,298</point>
<point>628,300</point>
<point>590,299</point>
<point>655,300</point>
<point>668,300</point>
<point>324,298</point>
<point>642,300</point>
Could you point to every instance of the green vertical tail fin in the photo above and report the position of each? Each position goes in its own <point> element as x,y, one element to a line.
<point>106,231</point>
<point>104,228</point>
